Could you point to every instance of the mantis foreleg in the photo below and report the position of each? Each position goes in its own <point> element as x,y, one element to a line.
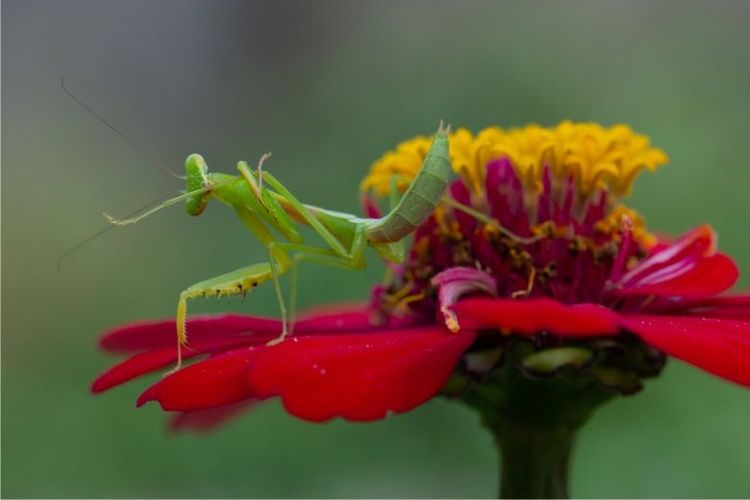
<point>306,214</point>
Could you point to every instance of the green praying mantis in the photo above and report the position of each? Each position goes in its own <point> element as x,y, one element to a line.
<point>272,214</point>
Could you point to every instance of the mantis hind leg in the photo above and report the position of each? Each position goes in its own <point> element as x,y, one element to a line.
<point>325,256</point>
<point>238,282</point>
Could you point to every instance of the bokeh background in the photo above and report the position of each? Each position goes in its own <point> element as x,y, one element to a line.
<point>328,86</point>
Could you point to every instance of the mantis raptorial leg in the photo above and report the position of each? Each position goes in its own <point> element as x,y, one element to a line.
<point>300,208</point>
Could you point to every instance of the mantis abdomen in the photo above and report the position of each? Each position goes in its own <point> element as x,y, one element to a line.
<point>420,199</point>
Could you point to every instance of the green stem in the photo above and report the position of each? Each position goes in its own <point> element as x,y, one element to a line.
<point>534,461</point>
<point>534,400</point>
<point>534,422</point>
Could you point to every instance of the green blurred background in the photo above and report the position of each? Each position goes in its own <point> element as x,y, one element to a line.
<point>328,86</point>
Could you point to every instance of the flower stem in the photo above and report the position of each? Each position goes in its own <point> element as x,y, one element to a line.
<point>534,422</point>
<point>534,461</point>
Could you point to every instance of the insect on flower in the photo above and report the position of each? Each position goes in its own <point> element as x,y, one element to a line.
<point>531,293</point>
<point>531,242</point>
<point>262,204</point>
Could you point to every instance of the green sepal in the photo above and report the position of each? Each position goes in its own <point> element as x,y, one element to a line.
<point>623,381</point>
<point>549,361</point>
<point>484,361</point>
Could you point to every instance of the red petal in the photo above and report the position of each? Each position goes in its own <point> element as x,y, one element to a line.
<point>208,420</point>
<point>217,381</point>
<point>358,377</point>
<point>700,242</point>
<point>135,366</point>
<point>370,207</point>
<point>663,241</point>
<point>703,278</point>
<point>149,361</point>
<point>534,315</point>
<point>732,307</point>
<point>212,334</point>
<point>345,318</point>
<point>719,346</point>
<point>157,334</point>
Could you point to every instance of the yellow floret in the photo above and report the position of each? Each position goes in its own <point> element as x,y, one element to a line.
<point>598,157</point>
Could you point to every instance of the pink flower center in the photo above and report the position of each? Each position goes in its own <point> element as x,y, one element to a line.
<point>557,241</point>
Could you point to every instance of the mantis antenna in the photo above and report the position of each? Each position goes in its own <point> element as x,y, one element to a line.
<point>164,204</point>
<point>91,238</point>
<point>115,130</point>
<point>132,218</point>
<point>130,141</point>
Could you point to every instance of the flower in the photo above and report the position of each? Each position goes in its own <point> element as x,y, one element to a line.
<point>530,264</point>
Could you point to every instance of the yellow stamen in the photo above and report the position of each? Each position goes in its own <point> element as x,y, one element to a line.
<point>402,292</point>
<point>529,286</point>
<point>451,320</point>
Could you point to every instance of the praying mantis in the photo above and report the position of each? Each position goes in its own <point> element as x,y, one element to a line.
<point>272,214</point>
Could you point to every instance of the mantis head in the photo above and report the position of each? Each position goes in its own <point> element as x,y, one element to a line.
<point>196,172</point>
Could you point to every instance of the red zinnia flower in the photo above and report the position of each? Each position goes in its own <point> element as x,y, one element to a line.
<point>530,265</point>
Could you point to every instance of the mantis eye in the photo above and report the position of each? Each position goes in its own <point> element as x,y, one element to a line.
<point>196,172</point>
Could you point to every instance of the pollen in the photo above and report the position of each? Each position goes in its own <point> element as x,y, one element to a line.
<point>613,224</point>
<point>595,157</point>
